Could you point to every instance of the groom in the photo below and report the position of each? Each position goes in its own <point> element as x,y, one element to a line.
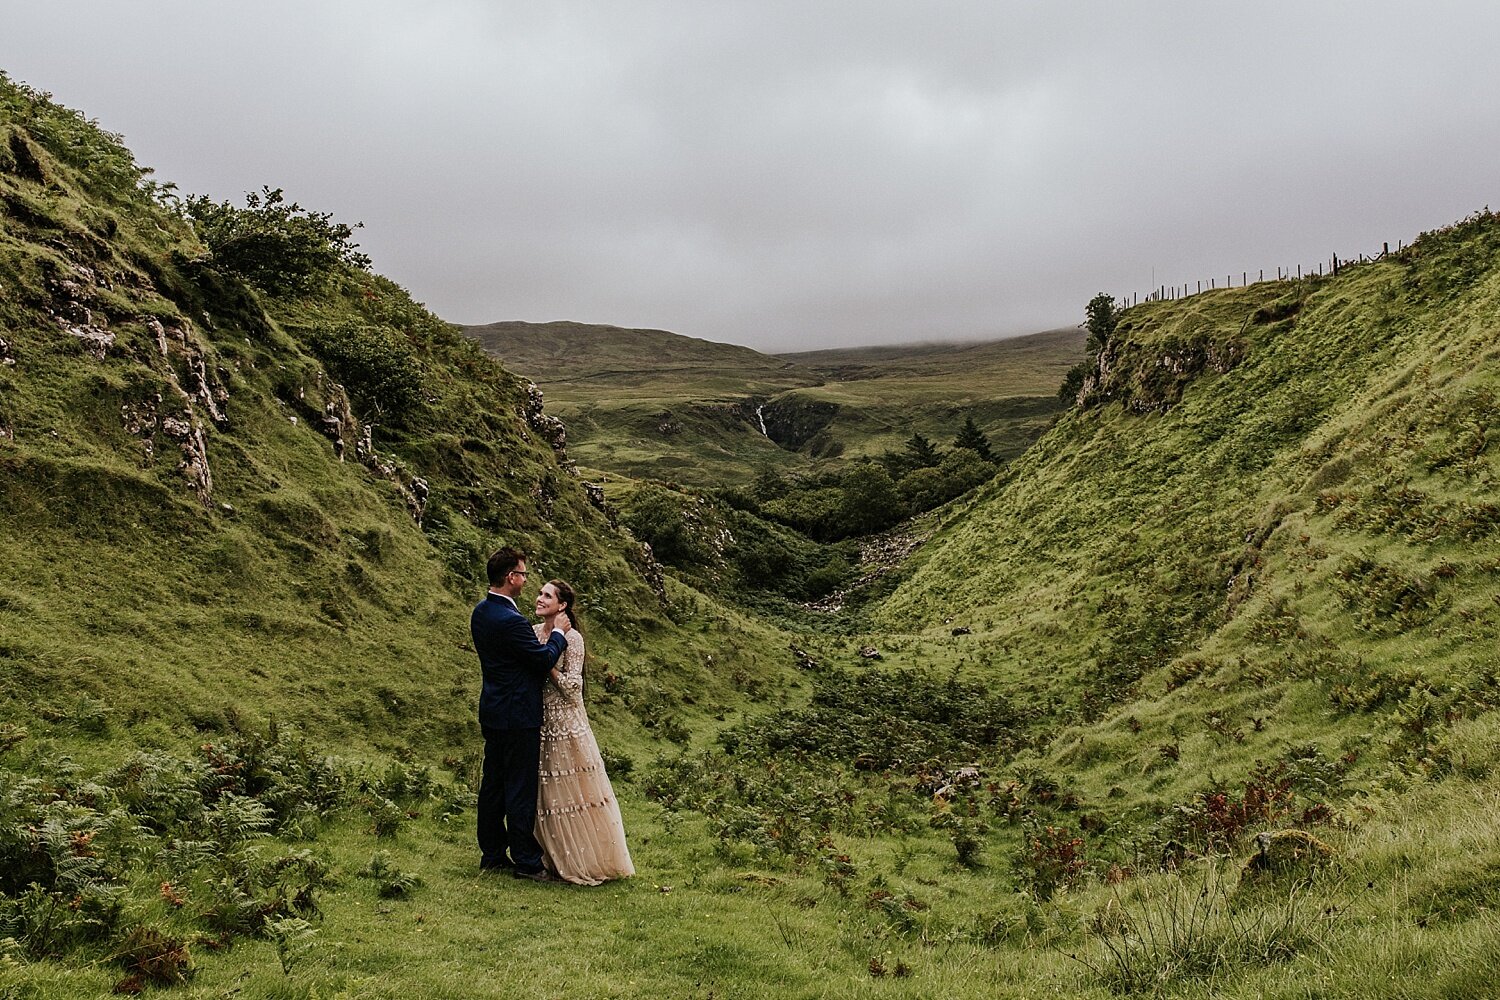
<point>514,665</point>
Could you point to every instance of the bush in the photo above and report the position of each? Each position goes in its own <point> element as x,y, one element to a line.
<point>1179,931</point>
<point>280,248</point>
<point>376,365</point>
<point>870,501</point>
<point>1050,858</point>
<point>683,531</point>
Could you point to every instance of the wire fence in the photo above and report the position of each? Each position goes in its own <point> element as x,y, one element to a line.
<point>1333,265</point>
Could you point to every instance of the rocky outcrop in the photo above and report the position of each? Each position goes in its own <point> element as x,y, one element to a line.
<point>549,428</point>
<point>1151,378</point>
<point>595,494</point>
<point>792,421</point>
<point>878,555</point>
<point>650,571</point>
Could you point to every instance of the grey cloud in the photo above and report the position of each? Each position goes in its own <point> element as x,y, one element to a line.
<point>784,174</point>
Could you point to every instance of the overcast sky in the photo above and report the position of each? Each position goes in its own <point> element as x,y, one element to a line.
<point>808,173</point>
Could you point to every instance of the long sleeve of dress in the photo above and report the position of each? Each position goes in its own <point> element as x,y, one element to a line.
<point>570,667</point>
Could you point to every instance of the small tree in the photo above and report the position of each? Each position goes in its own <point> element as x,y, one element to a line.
<point>921,452</point>
<point>971,437</point>
<point>280,248</point>
<point>1101,319</point>
<point>870,502</point>
<point>1072,382</point>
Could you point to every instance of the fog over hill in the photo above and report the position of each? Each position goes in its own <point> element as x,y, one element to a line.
<point>787,175</point>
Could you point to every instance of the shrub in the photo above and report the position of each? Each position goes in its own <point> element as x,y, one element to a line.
<point>152,956</point>
<point>959,471</point>
<point>1215,819</point>
<point>390,882</point>
<point>1050,858</point>
<point>278,247</point>
<point>376,365</point>
<point>682,531</point>
<point>1178,930</point>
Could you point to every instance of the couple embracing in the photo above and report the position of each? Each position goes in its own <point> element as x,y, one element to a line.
<point>546,809</point>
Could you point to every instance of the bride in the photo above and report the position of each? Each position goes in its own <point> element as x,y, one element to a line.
<point>577,817</point>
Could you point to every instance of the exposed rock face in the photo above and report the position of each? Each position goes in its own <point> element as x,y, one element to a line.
<point>595,494</point>
<point>338,418</point>
<point>878,555</point>
<point>414,489</point>
<point>551,429</point>
<point>802,657</point>
<point>193,466</point>
<point>418,491</point>
<point>792,422</point>
<point>143,420</point>
<point>651,572</point>
<point>95,339</point>
<point>73,308</point>
<point>1151,378</point>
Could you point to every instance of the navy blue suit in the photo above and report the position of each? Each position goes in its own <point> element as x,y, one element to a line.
<point>514,665</point>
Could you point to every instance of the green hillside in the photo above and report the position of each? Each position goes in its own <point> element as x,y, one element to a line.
<point>195,506</point>
<point>877,397</point>
<point>649,403</point>
<point>1196,698</point>
<point>652,404</point>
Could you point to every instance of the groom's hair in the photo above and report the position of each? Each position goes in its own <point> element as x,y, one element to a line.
<point>501,563</point>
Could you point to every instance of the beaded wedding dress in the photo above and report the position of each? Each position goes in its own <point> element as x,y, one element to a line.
<point>577,817</point>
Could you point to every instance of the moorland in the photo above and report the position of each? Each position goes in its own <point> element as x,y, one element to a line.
<point>1180,681</point>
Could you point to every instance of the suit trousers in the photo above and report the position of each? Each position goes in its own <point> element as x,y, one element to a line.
<point>507,798</point>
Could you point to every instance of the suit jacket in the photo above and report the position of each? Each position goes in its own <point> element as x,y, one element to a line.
<point>513,662</point>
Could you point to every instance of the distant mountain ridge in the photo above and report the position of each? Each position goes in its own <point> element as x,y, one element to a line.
<point>564,351</point>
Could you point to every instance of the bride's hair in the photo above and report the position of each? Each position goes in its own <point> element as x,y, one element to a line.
<point>566,596</point>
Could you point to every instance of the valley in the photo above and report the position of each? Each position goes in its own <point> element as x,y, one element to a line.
<point>1190,688</point>
<point>651,404</point>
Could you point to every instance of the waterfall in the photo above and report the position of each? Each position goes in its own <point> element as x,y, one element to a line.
<point>760,415</point>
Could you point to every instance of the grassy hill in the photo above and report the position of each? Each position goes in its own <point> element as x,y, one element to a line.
<point>880,396</point>
<point>198,511</point>
<point>652,404</point>
<point>649,403</point>
<point>1197,698</point>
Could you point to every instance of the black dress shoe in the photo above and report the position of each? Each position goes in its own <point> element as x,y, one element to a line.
<point>540,875</point>
<point>494,866</point>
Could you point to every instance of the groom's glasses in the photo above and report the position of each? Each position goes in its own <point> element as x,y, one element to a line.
<point>519,572</point>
